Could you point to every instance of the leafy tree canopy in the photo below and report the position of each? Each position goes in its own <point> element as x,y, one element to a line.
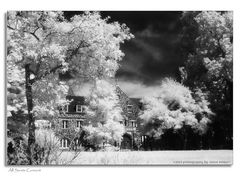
<point>174,107</point>
<point>104,114</point>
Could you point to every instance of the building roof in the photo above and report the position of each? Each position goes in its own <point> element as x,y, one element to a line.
<point>124,100</point>
<point>137,101</point>
<point>76,99</point>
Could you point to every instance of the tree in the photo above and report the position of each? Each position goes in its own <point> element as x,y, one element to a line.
<point>104,115</point>
<point>210,65</point>
<point>175,107</point>
<point>41,45</point>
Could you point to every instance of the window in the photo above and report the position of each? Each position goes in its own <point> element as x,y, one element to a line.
<point>133,124</point>
<point>143,138</point>
<point>64,143</point>
<point>80,108</point>
<point>63,108</point>
<point>79,123</point>
<point>129,108</point>
<point>77,142</point>
<point>125,122</point>
<point>64,124</point>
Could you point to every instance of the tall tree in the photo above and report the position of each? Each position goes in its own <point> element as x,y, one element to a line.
<point>40,45</point>
<point>210,65</point>
<point>175,107</point>
<point>104,115</point>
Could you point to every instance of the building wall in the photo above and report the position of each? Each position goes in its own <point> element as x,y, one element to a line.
<point>130,109</point>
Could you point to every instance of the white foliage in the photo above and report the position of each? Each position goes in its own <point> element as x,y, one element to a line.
<point>46,138</point>
<point>49,93</point>
<point>87,45</point>
<point>175,107</point>
<point>104,114</point>
<point>216,31</point>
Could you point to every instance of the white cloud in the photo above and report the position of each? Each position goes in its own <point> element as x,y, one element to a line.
<point>137,89</point>
<point>134,89</point>
<point>153,51</point>
<point>81,89</point>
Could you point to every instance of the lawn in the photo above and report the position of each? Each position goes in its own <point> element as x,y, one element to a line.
<point>202,157</point>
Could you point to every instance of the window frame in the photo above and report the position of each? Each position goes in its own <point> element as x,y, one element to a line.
<point>125,122</point>
<point>82,108</point>
<point>129,110</point>
<point>80,123</point>
<point>65,126</point>
<point>133,124</point>
<point>64,143</point>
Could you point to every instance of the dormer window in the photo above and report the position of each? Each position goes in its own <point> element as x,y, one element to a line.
<point>129,108</point>
<point>80,108</point>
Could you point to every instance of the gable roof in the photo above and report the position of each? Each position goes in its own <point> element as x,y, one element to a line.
<point>138,102</point>
<point>76,99</point>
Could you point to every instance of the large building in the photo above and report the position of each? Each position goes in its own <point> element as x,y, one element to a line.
<point>72,117</point>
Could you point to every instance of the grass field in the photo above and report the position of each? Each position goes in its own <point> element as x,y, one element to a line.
<point>203,157</point>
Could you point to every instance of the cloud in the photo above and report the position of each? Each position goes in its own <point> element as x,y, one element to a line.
<point>80,89</point>
<point>136,89</point>
<point>154,53</point>
<point>150,59</point>
<point>148,33</point>
<point>149,48</point>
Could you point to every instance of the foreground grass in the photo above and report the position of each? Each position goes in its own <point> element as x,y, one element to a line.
<point>202,157</point>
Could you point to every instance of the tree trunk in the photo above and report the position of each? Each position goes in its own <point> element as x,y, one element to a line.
<point>185,137</point>
<point>151,143</point>
<point>31,119</point>
<point>201,142</point>
<point>185,143</point>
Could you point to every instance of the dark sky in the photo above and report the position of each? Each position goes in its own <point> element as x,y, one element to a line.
<point>154,52</point>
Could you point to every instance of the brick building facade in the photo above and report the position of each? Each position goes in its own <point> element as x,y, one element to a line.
<point>74,113</point>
